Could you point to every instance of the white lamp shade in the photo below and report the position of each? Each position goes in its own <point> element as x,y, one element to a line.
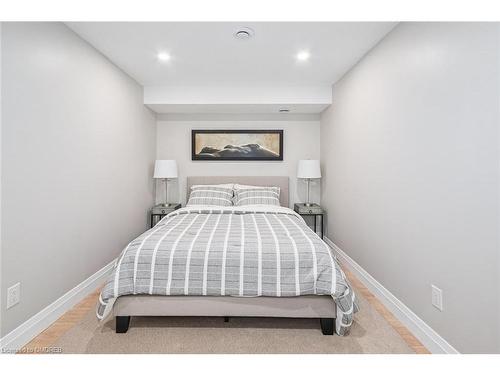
<point>308,169</point>
<point>165,169</point>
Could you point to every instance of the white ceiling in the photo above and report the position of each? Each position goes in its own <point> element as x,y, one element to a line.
<point>207,54</point>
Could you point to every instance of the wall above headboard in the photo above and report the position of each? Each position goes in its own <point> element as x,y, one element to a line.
<point>301,141</point>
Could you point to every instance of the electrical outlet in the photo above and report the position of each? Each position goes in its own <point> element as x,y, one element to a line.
<point>437,297</point>
<point>13,295</point>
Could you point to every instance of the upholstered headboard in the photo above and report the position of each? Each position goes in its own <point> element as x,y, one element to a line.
<point>280,181</point>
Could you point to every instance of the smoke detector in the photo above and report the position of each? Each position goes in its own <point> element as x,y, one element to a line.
<point>244,33</point>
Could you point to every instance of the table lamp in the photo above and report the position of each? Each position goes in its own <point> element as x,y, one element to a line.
<point>165,170</point>
<point>308,169</point>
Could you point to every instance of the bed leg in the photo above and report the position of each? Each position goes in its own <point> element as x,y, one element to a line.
<point>327,325</point>
<point>122,323</point>
<point>226,319</point>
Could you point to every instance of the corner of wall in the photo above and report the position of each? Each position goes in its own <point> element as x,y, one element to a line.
<point>1,284</point>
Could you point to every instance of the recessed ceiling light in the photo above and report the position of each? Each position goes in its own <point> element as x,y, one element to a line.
<point>244,33</point>
<point>163,56</point>
<point>303,55</point>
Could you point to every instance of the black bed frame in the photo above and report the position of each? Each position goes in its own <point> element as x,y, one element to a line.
<point>327,324</point>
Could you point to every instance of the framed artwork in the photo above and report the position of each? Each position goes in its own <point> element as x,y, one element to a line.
<point>226,145</point>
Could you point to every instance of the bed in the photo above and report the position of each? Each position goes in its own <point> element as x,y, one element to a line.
<point>251,260</point>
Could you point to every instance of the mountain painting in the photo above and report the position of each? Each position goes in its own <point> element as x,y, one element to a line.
<point>222,145</point>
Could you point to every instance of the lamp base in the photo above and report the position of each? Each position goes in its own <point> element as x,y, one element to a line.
<point>168,204</point>
<point>308,204</point>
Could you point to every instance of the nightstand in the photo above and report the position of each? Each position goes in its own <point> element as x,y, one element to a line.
<point>159,211</point>
<point>312,210</point>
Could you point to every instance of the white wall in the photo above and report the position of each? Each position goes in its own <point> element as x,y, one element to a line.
<point>78,147</point>
<point>410,153</point>
<point>1,287</point>
<point>301,141</point>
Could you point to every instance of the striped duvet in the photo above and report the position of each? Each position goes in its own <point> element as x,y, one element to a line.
<point>243,251</point>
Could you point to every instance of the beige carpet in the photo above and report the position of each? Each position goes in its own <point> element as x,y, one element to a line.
<point>370,334</point>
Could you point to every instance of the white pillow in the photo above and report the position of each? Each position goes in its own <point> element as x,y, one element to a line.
<point>239,187</point>
<point>244,195</point>
<point>229,186</point>
<point>210,195</point>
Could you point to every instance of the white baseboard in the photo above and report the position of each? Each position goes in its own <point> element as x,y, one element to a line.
<point>423,332</point>
<point>23,334</point>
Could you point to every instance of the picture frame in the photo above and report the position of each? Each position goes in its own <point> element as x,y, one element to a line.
<point>237,144</point>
